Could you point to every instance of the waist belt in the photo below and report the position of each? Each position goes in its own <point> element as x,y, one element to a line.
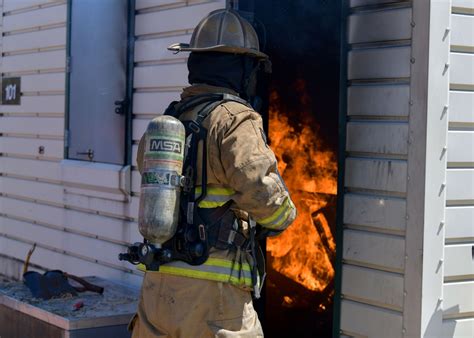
<point>223,228</point>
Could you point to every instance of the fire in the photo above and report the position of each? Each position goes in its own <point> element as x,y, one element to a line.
<point>304,251</point>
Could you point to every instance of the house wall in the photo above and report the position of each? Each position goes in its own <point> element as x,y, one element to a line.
<point>458,287</point>
<point>80,214</point>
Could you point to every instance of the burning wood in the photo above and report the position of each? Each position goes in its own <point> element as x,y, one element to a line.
<point>305,252</point>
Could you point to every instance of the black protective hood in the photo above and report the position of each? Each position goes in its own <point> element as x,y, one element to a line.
<point>233,71</point>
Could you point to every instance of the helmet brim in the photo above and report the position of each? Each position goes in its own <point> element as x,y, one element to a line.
<point>184,47</point>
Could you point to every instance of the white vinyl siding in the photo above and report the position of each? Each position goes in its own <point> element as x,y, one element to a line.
<point>80,215</point>
<point>376,169</point>
<point>458,291</point>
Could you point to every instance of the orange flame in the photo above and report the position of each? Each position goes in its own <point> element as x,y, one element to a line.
<point>303,252</point>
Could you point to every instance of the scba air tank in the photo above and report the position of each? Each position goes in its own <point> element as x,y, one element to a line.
<point>161,179</point>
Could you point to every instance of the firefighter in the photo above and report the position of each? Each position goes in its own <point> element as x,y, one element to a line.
<point>214,298</point>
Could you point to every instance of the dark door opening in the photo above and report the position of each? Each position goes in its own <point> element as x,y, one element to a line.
<point>301,111</point>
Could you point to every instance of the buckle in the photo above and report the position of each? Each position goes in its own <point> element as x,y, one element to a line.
<point>194,127</point>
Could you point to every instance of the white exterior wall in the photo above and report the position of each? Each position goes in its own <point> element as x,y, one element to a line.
<point>458,288</point>
<point>80,214</point>
<point>394,253</point>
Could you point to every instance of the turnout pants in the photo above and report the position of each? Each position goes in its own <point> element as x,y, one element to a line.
<point>181,307</point>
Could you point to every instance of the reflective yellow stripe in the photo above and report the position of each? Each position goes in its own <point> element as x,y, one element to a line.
<point>215,269</point>
<point>279,216</point>
<point>215,197</point>
<point>217,191</point>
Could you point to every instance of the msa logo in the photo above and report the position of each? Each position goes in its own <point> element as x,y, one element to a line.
<point>165,145</point>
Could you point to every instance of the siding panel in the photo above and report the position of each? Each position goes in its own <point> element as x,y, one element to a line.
<point>10,5</point>
<point>153,103</point>
<point>40,39</point>
<point>156,49</point>
<point>460,223</point>
<point>383,323</point>
<point>458,298</point>
<point>391,100</point>
<point>462,30</point>
<point>40,17</point>
<point>161,76</point>
<point>167,21</point>
<point>384,251</point>
<point>458,262</point>
<point>380,26</point>
<point>461,107</point>
<point>382,175</point>
<point>34,61</point>
<point>43,82</point>
<point>391,137</point>
<point>374,287</point>
<point>379,63</point>
<point>70,242</point>
<point>32,125</point>
<point>37,104</point>
<point>461,146</point>
<point>462,328</point>
<point>460,184</point>
<point>375,212</point>
<point>462,69</point>
<point>30,147</point>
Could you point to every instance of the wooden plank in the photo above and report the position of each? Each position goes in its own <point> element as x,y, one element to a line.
<point>11,5</point>
<point>43,82</point>
<point>32,125</point>
<point>380,26</point>
<point>368,321</point>
<point>375,212</point>
<point>45,38</point>
<point>34,61</point>
<point>391,137</point>
<point>106,227</point>
<point>31,147</point>
<point>174,75</point>
<point>384,251</point>
<point>379,63</point>
<point>458,262</point>
<point>459,223</point>
<point>460,107</point>
<point>462,69</point>
<point>390,100</point>
<point>61,240</point>
<point>37,104</point>
<point>462,30</point>
<point>458,298</point>
<point>184,18</point>
<point>36,18</point>
<point>153,103</point>
<point>460,184</point>
<point>156,49</point>
<point>383,175</point>
<point>461,146</point>
<point>461,328</point>
<point>373,287</point>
